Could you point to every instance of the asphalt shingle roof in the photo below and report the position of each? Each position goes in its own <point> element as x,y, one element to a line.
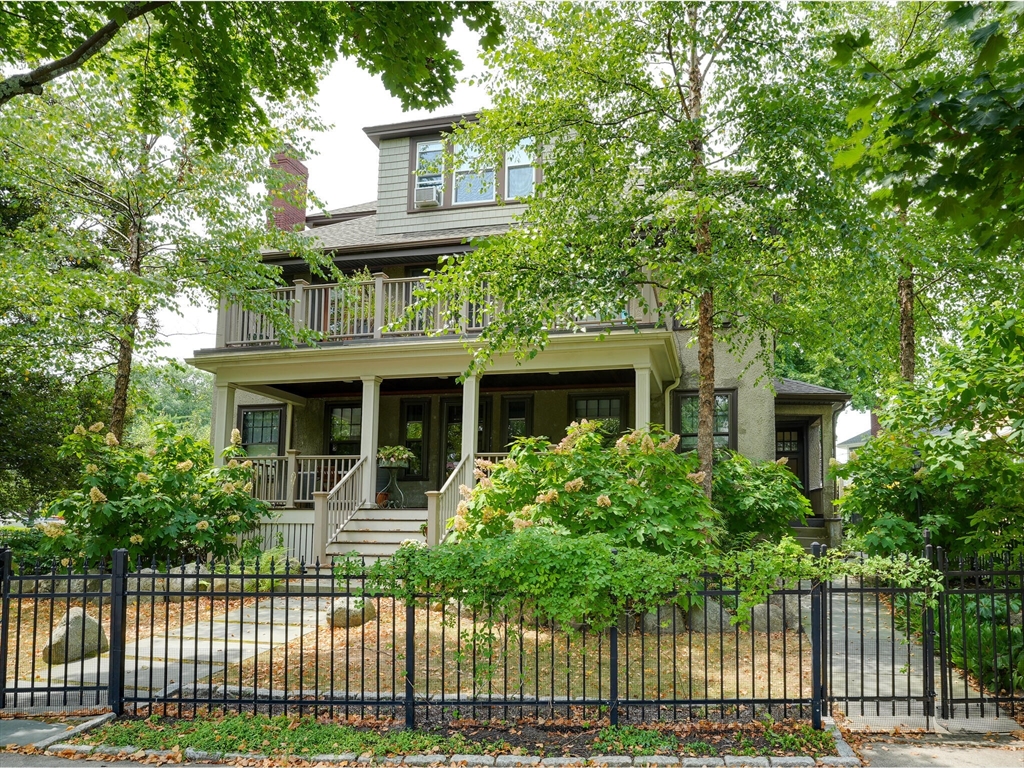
<point>361,233</point>
<point>793,387</point>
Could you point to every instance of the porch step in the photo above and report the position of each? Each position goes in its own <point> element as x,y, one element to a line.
<point>376,533</point>
<point>807,535</point>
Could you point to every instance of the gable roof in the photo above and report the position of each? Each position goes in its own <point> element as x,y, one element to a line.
<point>856,441</point>
<point>335,215</point>
<point>792,390</point>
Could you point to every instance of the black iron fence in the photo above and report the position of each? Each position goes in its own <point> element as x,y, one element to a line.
<point>188,638</point>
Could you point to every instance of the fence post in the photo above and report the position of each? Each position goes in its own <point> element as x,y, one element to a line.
<point>320,525</point>
<point>613,667</point>
<point>433,518</point>
<point>118,622</point>
<point>929,638</point>
<point>5,620</point>
<point>941,564</point>
<point>816,645</point>
<point>410,661</point>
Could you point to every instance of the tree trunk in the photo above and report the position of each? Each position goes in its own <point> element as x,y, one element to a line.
<point>706,387</point>
<point>702,233</point>
<point>125,351</point>
<point>908,351</point>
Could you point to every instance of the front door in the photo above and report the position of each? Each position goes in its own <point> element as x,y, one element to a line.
<point>791,444</point>
<point>451,434</point>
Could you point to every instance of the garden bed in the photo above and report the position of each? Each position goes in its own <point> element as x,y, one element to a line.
<point>304,737</point>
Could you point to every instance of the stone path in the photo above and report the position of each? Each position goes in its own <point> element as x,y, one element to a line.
<point>877,678</point>
<point>160,665</point>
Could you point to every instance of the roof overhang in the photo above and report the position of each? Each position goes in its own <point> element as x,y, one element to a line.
<point>416,127</point>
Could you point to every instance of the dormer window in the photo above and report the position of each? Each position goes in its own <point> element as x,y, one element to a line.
<point>472,184</point>
<point>429,164</point>
<point>519,171</point>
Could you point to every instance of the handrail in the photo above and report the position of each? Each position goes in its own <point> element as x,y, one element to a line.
<point>443,504</point>
<point>345,498</point>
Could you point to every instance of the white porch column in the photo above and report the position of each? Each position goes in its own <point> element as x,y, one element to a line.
<point>643,396</point>
<point>470,415</point>
<point>368,434</point>
<point>223,420</point>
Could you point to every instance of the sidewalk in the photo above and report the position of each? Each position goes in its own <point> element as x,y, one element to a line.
<point>937,755</point>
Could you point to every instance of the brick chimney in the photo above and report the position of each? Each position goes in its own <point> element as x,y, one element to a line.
<point>875,426</point>
<point>290,203</point>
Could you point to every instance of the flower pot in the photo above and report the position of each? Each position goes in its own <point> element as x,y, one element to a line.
<point>393,464</point>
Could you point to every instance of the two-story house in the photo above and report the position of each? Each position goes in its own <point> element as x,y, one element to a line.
<point>313,418</point>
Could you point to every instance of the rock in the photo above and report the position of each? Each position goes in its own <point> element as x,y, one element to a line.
<point>710,616</point>
<point>78,636</point>
<point>192,581</point>
<point>145,588</point>
<point>796,609</point>
<point>768,618</point>
<point>1016,619</point>
<point>668,619</point>
<point>351,612</point>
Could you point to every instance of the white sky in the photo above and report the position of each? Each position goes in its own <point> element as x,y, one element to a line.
<point>343,171</point>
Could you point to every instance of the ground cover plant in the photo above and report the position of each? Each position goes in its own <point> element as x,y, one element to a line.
<point>298,737</point>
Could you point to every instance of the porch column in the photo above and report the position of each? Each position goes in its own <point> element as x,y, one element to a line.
<point>223,420</point>
<point>470,415</point>
<point>643,396</point>
<point>368,434</point>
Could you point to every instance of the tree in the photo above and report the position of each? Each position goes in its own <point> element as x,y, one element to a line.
<point>171,393</point>
<point>942,123</point>
<point>233,56</point>
<point>142,216</point>
<point>678,150</point>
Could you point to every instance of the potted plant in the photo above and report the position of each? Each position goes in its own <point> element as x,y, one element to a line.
<point>394,456</point>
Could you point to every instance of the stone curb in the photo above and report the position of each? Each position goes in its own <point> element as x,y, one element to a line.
<point>88,725</point>
<point>736,761</point>
<point>844,749</point>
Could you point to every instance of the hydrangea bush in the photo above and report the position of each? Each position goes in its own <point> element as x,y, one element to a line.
<point>640,492</point>
<point>167,502</point>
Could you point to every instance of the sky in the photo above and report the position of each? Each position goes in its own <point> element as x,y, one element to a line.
<point>343,171</point>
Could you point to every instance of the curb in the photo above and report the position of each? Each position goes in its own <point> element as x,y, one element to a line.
<point>88,725</point>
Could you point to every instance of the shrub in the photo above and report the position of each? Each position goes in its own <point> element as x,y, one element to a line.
<point>639,493</point>
<point>758,500</point>
<point>167,501</point>
<point>25,543</point>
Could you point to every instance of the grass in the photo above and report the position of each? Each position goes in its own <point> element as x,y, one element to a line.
<point>278,737</point>
<point>533,661</point>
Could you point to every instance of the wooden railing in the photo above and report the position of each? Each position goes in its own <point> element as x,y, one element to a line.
<point>291,481</point>
<point>442,504</point>
<point>292,528</point>
<point>333,509</point>
<point>270,480</point>
<point>494,458</point>
<point>319,473</point>
<point>378,309</point>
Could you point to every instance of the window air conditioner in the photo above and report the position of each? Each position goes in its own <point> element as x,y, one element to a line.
<point>428,197</point>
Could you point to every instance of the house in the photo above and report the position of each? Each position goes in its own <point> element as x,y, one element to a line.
<point>314,418</point>
<point>846,448</point>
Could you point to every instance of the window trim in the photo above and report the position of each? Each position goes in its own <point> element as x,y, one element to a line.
<point>495,172</point>
<point>626,413</point>
<point>448,190</point>
<point>328,407</point>
<point>505,400</point>
<point>677,417</point>
<point>403,421</point>
<point>506,167</point>
<point>240,418</point>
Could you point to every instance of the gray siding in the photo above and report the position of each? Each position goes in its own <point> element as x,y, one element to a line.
<point>393,215</point>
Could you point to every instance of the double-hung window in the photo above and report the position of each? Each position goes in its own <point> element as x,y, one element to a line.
<point>472,184</point>
<point>430,164</point>
<point>261,431</point>
<point>687,413</point>
<point>519,171</point>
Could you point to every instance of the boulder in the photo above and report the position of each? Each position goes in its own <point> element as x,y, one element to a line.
<point>667,619</point>
<point>768,618</point>
<point>1016,618</point>
<point>796,609</point>
<point>350,612</point>
<point>79,636</point>
<point>709,617</point>
<point>147,589</point>
<point>192,578</point>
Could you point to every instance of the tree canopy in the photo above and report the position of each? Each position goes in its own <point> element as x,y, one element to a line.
<point>233,56</point>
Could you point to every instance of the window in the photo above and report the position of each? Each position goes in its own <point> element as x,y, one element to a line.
<point>346,430</point>
<point>472,185</point>
<point>608,409</point>
<point>415,415</point>
<point>261,431</point>
<point>429,165</point>
<point>517,418</point>
<point>724,420</point>
<point>519,171</point>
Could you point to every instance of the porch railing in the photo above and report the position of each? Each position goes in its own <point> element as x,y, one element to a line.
<point>270,480</point>
<point>333,509</point>
<point>319,473</point>
<point>291,481</point>
<point>442,504</point>
<point>377,309</point>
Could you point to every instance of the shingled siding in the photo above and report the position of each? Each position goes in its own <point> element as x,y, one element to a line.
<point>393,215</point>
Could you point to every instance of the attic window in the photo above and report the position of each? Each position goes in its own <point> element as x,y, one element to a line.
<point>472,185</point>
<point>429,165</point>
<point>519,171</point>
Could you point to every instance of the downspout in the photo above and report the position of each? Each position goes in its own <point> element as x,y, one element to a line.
<point>668,402</point>
<point>833,522</point>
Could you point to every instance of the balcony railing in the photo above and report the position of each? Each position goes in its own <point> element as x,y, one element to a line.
<point>376,309</point>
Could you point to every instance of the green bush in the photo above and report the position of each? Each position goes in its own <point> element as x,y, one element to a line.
<point>758,500</point>
<point>26,544</point>
<point>639,492</point>
<point>168,501</point>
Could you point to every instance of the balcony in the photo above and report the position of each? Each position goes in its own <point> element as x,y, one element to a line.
<point>379,309</point>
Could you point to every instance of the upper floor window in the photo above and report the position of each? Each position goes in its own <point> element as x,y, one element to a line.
<point>429,164</point>
<point>519,171</point>
<point>472,184</point>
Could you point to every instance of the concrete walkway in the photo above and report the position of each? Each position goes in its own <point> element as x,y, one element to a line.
<point>904,755</point>
<point>877,676</point>
<point>160,665</point>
